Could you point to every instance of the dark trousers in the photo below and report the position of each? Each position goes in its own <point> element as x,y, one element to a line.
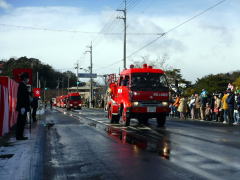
<point>34,111</point>
<point>197,113</point>
<point>221,118</point>
<point>230,115</point>
<point>21,121</point>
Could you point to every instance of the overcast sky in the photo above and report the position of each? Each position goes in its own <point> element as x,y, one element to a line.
<point>208,44</point>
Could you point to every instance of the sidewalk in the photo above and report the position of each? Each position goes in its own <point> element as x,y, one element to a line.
<point>201,121</point>
<point>20,159</point>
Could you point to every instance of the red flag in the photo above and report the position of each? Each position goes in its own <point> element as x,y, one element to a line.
<point>36,92</point>
<point>18,72</point>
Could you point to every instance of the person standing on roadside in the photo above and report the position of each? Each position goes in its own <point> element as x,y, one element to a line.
<point>176,104</point>
<point>192,107</point>
<point>203,100</point>
<point>211,103</point>
<point>236,111</point>
<point>183,107</point>
<point>217,106</point>
<point>208,112</point>
<point>221,112</point>
<point>225,107</point>
<point>230,101</point>
<point>197,106</point>
<point>34,105</point>
<point>23,106</point>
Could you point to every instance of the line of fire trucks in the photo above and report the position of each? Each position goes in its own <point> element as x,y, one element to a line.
<point>69,101</point>
<point>140,93</point>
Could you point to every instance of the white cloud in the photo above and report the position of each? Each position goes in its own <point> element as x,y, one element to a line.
<point>4,4</point>
<point>198,48</point>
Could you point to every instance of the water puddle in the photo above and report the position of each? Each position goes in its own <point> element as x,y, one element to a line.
<point>141,137</point>
<point>141,140</point>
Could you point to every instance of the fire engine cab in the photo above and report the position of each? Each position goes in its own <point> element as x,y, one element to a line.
<point>140,93</point>
<point>74,101</point>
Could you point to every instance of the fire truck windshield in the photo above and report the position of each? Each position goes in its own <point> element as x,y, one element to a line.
<point>74,98</point>
<point>148,82</point>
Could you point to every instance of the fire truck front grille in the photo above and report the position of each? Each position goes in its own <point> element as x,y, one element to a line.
<point>150,103</point>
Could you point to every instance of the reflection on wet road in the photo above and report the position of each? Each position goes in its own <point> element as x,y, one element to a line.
<point>83,145</point>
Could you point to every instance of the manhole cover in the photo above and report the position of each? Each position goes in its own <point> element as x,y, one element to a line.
<point>6,156</point>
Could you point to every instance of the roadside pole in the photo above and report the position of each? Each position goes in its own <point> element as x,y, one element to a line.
<point>91,78</point>
<point>124,18</point>
<point>77,75</point>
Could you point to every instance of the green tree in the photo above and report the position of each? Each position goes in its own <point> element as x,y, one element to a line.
<point>47,75</point>
<point>213,83</point>
<point>236,83</point>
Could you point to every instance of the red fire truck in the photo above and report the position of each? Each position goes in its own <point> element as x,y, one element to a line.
<point>64,101</point>
<point>74,101</point>
<point>61,101</point>
<point>140,93</point>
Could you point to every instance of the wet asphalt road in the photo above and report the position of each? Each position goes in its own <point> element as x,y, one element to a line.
<point>82,145</point>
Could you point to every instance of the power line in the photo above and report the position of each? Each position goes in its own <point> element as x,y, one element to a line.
<point>72,31</point>
<point>134,4</point>
<point>197,15</point>
<point>109,26</point>
<point>177,26</point>
<point>114,63</point>
<point>164,34</point>
<point>46,29</point>
<point>148,44</point>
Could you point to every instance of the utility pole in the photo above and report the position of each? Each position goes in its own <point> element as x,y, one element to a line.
<point>124,18</point>
<point>91,79</point>
<point>77,67</point>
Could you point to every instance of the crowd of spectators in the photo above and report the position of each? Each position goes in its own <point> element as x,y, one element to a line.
<point>220,107</point>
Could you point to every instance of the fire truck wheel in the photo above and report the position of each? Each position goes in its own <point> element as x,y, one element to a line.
<point>161,121</point>
<point>113,118</point>
<point>125,119</point>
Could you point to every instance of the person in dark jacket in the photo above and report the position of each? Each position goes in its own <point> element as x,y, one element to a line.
<point>23,106</point>
<point>230,102</point>
<point>34,105</point>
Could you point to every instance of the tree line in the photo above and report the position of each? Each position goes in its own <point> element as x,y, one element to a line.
<point>49,77</point>
<point>54,79</point>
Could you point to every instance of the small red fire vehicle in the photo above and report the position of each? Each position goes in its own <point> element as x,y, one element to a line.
<point>74,101</point>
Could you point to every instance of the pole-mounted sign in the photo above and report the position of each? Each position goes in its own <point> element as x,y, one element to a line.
<point>37,92</point>
<point>87,75</point>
